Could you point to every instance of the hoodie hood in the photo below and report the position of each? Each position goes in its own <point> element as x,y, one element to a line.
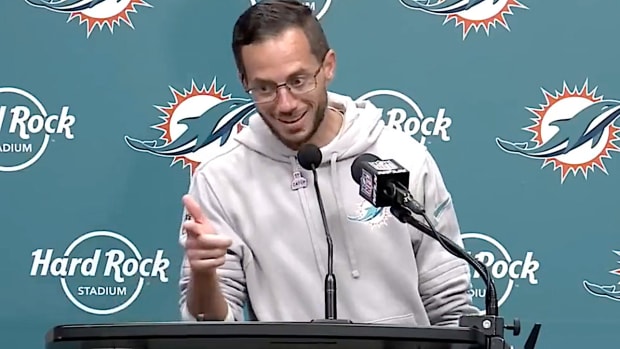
<point>361,127</point>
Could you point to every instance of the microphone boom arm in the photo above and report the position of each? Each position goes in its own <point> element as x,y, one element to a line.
<point>405,216</point>
<point>384,183</point>
<point>490,324</point>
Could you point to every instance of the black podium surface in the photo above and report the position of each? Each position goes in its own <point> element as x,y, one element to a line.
<point>259,335</point>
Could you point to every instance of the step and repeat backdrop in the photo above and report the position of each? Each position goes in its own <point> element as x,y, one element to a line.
<point>518,100</point>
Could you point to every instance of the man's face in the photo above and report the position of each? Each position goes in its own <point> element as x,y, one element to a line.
<point>293,117</point>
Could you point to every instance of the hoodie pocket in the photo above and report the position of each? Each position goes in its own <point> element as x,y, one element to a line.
<point>406,319</point>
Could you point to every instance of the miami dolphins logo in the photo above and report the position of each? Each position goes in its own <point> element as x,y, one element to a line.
<point>605,291</point>
<point>95,13</point>
<point>469,14</point>
<point>367,213</point>
<point>197,121</point>
<point>573,130</point>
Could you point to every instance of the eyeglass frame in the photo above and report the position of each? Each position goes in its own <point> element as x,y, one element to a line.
<point>286,84</point>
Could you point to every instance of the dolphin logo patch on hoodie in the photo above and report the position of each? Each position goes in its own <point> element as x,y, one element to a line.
<point>367,213</point>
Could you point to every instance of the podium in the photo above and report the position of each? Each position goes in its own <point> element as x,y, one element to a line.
<point>260,335</point>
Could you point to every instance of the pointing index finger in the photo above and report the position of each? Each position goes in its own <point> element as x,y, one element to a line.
<point>193,209</point>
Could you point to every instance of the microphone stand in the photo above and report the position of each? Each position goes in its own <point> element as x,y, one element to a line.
<point>331,308</point>
<point>490,324</point>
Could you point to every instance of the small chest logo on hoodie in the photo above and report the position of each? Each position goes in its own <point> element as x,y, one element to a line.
<point>366,213</point>
<point>299,181</point>
<point>319,7</point>
<point>469,14</point>
<point>402,113</point>
<point>194,123</point>
<point>94,13</point>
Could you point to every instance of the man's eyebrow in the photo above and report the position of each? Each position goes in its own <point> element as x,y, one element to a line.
<point>300,71</point>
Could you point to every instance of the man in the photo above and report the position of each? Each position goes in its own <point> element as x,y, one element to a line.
<point>255,239</point>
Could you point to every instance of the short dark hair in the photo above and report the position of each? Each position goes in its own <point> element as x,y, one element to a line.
<point>269,18</point>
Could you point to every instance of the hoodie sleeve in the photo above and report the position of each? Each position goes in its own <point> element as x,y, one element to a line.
<point>444,280</point>
<point>231,274</point>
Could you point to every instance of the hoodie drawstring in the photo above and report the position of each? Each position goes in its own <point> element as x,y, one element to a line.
<point>341,211</point>
<point>307,216</point>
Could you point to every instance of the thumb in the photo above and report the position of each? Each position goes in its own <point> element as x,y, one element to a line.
<point>193,209</point>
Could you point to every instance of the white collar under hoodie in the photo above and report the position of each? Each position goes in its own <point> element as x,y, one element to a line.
<point>386,272</point>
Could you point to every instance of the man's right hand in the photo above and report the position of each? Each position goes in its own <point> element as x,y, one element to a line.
<point>205,249</point>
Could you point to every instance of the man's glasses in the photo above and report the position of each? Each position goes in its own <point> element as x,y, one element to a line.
<point>300,84</point>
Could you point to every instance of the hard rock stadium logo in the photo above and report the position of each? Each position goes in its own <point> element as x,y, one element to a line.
<point>93,13</point>
<point>195,124</point>
<point>469,14</point>
<point>573,130</point>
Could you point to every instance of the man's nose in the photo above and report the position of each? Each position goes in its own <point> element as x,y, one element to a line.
<point>285,101</point>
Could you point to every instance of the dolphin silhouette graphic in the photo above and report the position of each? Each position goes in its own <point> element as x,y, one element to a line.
<point>442,7</point>
<point>368,214</point>
<point>588,125</point>
<point>610,292</point>
<point>66,5</point>
<point>198,135</point>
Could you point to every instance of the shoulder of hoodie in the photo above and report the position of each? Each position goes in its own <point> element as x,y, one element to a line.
<point>406,150</point>
<point>220,162</point>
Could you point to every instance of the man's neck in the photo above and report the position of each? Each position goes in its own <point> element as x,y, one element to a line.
<point>329,128</point>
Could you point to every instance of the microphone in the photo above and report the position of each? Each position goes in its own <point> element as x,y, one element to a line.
<point>309,157</point>
<point>384,183</point>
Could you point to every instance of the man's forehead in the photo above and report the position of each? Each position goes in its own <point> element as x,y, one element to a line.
<point>288,46</point>
<point>279,68</point>
<point>280,73</point>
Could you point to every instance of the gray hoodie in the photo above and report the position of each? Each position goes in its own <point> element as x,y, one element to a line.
<point>386,272</point>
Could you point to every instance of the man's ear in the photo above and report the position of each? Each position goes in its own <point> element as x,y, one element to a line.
<point>329,65</point>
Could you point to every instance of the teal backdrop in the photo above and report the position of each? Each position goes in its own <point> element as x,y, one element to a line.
<point>517,101</point>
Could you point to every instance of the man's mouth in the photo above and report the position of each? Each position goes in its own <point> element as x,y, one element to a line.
<point>291,121</point>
